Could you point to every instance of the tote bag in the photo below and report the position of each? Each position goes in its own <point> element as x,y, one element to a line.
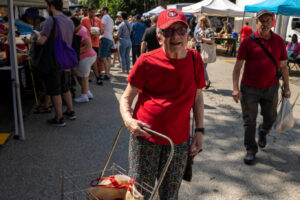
<point>65,54</point>
<point>44,59</point>
<point>208,53</point>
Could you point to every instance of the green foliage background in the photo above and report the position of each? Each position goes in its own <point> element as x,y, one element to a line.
<point>132,7</point>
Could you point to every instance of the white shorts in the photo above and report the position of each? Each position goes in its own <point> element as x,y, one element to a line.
<point>84,66</point>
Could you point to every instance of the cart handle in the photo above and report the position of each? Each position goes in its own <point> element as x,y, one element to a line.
<point>165,168</point>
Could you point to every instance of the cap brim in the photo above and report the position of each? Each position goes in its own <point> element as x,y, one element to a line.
<point>258,16</point>
<point>169,23</point>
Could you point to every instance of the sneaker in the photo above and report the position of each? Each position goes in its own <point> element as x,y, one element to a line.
<point>82,99</point>
<point>90,95</point>
<point>99,81</point>
<point>71,115</point>
<point>57,122</point>
<point>106,77</point>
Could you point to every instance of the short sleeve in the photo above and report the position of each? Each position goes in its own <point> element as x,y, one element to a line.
<point>119,30</point>
<point>104,20</point>
<point>137,76</point>
<point>145,36</point>
<point>242,52</point>
<point>46,31</point>
<point>84,22</point>
<point>84,34</point>
<point>210,34</point>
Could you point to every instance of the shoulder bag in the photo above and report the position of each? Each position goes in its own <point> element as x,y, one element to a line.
<point>65,54</point>
<point>278,73</point>
<point>44,59</point>
<point>208,52</point>
<point>188,171</point>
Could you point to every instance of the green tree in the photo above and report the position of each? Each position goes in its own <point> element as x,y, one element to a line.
<point>133,7</point>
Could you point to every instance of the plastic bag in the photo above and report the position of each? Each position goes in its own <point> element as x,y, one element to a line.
<point>285,120</point>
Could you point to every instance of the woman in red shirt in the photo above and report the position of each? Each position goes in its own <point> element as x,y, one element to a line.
<point>168,82</point>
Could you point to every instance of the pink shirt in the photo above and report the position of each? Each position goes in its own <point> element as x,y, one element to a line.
<point>85,35</point>
<point>296,50</point>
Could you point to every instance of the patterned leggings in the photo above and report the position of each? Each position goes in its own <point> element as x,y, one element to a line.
<point>147,160</point>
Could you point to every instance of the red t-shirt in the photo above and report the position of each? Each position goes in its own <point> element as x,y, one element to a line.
<point>259,71</point>
<point>88,23</point>
<point>167,91</point>
<point>245,31</point>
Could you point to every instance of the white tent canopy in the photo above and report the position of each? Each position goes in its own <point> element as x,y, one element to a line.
<point>243,3</point>
<point>215,8</point>
<point>154,11</point>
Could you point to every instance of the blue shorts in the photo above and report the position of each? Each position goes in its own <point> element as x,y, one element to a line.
<point>105,46</point>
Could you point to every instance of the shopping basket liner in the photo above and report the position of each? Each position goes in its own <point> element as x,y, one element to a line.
<point>115,187</point>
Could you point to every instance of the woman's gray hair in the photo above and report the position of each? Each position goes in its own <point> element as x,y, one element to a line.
<point>158,32</point>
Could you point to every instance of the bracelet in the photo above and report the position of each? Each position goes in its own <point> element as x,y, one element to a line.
<point>200,130</point>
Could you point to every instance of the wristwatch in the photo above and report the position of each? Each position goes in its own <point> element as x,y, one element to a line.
<point>202,130</point>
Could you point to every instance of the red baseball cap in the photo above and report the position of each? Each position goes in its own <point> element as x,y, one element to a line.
<point>168,17</point>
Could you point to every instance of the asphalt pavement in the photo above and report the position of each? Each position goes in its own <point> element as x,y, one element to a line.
<point>32,169</point>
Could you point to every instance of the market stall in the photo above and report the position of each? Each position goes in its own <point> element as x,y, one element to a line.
<point>280,8</point>
<point>154,11</point>
<point>12,58</point>
<point>217,8</point>
<point>223,8</point>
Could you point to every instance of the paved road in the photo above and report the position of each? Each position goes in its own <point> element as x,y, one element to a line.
<point>32,169</point>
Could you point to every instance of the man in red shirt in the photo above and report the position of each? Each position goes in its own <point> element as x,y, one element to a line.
<point>94,26</point>
<point>245,31</point>
<point>168,82</point>
<point>259,84</point>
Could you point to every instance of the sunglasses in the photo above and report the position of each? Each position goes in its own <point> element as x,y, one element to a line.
<point>169,32</point>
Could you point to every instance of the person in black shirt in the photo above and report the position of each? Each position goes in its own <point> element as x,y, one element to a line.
<point>149,40</point>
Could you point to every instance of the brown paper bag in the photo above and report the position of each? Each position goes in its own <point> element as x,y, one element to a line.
<point>114,187</point>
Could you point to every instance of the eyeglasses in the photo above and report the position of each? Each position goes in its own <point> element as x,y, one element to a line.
<point>169,32</point>
<point>268,21</point>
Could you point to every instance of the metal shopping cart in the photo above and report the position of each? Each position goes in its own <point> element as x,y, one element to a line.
<point>73,187</point>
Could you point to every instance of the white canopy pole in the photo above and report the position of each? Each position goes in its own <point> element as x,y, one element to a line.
<point>15,73</point>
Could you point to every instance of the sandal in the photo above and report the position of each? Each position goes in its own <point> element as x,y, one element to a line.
<point>42,109</point>
<point>208,84</point>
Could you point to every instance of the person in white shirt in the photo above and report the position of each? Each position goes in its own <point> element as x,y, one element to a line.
<point>106,41</point>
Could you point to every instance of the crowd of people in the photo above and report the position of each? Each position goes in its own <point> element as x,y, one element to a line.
<point>168,79</point>
<point>100,38</point>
